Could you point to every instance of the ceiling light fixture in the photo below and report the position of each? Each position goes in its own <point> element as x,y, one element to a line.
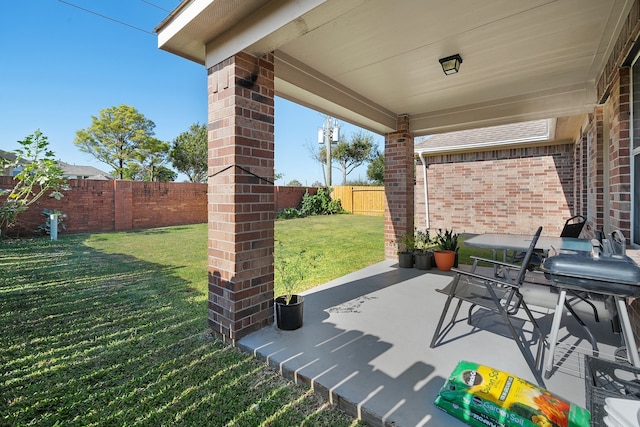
<point>451,64</point>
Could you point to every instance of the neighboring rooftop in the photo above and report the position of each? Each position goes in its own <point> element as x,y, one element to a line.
<point>83,172</point>
<point>69,171</point>
<point>534,131</point>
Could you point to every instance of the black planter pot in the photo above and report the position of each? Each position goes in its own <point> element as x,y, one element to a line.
<point>424,260</point>
<point>289,316</point>
<point>405,259</point>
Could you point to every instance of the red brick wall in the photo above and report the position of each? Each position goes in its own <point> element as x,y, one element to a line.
<point>241,205</point>
<point>96,206</point>
<point>290,197</point>
<point>399,186</point>
<point>502,191</point>
<point>620,154</point>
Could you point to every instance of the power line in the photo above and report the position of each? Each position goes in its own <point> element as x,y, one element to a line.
<point>155,5</point>
<point>106,17</point>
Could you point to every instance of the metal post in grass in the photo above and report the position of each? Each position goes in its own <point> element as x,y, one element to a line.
<point>53,226</point>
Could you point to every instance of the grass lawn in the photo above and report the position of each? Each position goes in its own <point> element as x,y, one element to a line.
<point>110,329</point>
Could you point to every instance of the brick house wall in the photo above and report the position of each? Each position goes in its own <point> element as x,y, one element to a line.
<point>511,190</point>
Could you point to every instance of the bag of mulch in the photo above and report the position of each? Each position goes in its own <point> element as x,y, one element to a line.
<point>482,396</point>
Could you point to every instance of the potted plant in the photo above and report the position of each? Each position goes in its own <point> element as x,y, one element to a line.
<point>289,271</point>
<point>406,246</point>
<point>423,251</point>
<point>445,257</point>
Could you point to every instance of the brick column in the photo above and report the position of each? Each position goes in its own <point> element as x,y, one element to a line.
<point>620,153</point>
<point>398,185</point>
<point>240,195</point>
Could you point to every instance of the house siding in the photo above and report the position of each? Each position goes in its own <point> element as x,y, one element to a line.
<point>510,190</point>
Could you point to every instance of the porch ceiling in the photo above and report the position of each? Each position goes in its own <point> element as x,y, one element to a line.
<point>368,61</point>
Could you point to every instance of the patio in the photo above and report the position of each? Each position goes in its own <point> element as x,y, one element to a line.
<point>365,346</point>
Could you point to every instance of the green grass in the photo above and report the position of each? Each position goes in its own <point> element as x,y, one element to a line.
<point>110,329</point>
<point>340,244</point>
<point>465,253</point>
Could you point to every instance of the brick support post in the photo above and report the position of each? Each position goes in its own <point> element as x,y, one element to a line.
<point>399,185</point>
<point>241,200</point>
<point>620,153</point>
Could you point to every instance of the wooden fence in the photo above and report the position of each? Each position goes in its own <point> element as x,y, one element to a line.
<point>361,200</point>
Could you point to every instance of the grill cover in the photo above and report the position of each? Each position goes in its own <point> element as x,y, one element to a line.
<point>609,274</point>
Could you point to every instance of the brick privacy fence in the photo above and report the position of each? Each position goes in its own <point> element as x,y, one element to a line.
<point>98,206</point>
<point>290,197</point>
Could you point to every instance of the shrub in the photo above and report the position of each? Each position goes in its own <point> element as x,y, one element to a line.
<point>320,203</point>
<point>289,213</point>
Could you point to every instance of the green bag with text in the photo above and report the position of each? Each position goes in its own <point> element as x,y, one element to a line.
<point>482,396</point>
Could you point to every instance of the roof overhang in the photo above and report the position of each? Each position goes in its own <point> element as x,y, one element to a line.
<point>369,61</point>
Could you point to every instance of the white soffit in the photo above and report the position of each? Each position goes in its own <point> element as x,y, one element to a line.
<point>373,60</point>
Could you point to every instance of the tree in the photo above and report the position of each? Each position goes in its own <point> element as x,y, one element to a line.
<point>189,153</point>
<point>354,153</point>
<point>148,161</point>
<point>164,174</point>
<point>375,170</point>
<point>117,137</point>
<point>40,174</point>
<point>294,183</point>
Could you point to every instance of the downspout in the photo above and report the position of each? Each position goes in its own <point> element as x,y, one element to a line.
<point>426,191</point>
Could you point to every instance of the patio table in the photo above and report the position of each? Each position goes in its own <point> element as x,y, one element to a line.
<point>520,242</point>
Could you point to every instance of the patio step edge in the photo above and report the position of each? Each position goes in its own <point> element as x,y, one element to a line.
<point>347,406</point>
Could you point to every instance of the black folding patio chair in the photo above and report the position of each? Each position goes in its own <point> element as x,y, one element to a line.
<point>497,294</point>
<point>573,226</point>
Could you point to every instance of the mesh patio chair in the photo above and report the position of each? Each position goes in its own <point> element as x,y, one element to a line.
<point>573,226</point>
<point>497,294</point>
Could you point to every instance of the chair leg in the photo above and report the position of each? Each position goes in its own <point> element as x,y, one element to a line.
<point>438,332</point>
<point>542,340</point>
<point>528,356</point>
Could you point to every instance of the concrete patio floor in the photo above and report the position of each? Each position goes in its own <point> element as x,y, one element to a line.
<point>365,346</point>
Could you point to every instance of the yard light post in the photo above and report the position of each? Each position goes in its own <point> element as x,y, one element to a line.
<point>328,135</point>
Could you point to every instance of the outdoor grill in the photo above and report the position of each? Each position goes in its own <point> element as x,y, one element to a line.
<point>608,274</point>
<point>616,275</point>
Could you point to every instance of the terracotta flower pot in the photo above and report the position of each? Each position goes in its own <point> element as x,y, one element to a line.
<point>444,259</point>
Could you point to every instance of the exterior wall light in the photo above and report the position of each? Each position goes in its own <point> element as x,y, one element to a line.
<point>451,64</point>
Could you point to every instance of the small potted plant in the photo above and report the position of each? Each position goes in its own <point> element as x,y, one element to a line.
<point>423,251</point>
<point>406,246</point>
<point>447,242</point>
<point>289,271</point>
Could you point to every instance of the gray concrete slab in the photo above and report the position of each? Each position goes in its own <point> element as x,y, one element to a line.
<point>365,346</point>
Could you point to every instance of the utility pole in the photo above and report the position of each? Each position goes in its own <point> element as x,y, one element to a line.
<point>329,135</point>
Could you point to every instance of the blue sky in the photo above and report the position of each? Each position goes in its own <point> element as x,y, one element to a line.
<point>60,65</point>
